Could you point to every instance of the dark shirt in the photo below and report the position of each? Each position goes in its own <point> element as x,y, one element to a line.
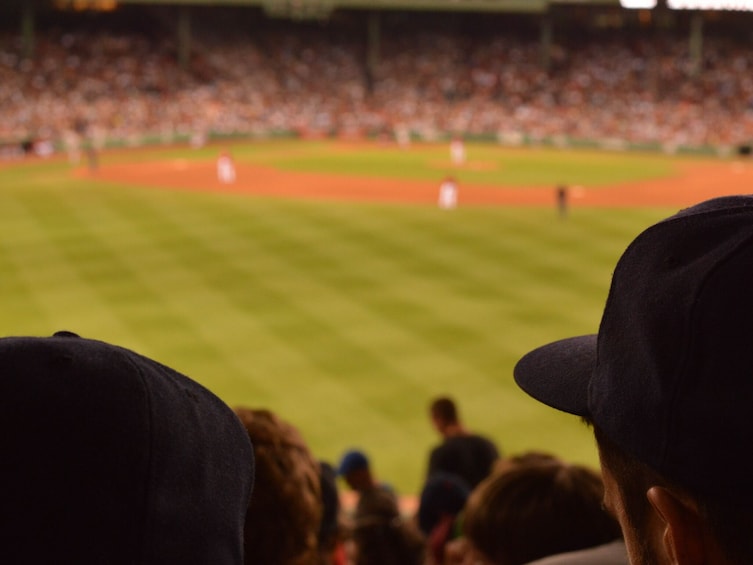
<point>471,457</point>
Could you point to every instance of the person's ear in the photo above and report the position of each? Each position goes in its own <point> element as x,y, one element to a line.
<point>683,534</point>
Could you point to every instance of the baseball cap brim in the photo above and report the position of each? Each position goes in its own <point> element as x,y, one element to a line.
<point>558,374</point>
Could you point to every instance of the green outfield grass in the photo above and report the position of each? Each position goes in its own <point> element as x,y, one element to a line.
<point>488,164</point>
<point>344,318</point>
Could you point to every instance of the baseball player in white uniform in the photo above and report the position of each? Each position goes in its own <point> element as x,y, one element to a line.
<point>448,194</point>
<point>457,151</point>
<point>225,168</point>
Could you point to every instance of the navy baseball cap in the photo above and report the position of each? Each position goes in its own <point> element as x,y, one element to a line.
<point>353,460</point>
<point>111,457</point>
<point>442,494</point>
<point>669,376</point>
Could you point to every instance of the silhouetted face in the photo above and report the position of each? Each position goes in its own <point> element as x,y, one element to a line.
<point>359,479</point>
<point>643,541</point>
<point>437,422</point>
<point>440,424</point>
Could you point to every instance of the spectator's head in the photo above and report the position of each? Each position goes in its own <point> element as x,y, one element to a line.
<point>354,468</point>
<point>667,386</point>
<point>110,457</point>
<point>284,515</point>
<point>527,458</point>
<point>444,494</point>
<point>330,529</point>
<point>444,413</point>
<point>534,508</point>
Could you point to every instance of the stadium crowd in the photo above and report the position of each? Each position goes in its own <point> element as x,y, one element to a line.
<point>150,467</point>
<point>124,85</point>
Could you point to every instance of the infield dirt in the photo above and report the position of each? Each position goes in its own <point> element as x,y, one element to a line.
<point>695,181</point>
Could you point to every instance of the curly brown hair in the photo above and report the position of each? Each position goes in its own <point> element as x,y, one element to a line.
<point>285,511</point>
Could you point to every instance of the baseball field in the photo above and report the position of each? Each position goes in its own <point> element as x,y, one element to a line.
<point>325,284</point>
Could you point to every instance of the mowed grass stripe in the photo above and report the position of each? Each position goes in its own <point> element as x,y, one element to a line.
<point>98,248</point>
<point>397,281</point>
<point>459,280</point>
<point>258,295</point>
<point>17,285</point>
<point>311,274</point>
<point>210,286</point>
<point>60,292</point>
<point>331,353</point>
<point>97,253</point>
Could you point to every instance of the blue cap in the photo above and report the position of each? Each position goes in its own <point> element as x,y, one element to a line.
<point>353,460</point>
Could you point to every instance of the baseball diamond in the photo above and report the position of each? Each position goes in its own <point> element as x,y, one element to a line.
<point>693,181</point>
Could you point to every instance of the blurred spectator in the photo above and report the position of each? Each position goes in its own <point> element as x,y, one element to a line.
<point>443,498</point>
<point>284,516</point>
<point>462,453</point>
<point>313,81</point>
<point>533,507</point>
<point>380,534</point>
<point>331,547</point>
